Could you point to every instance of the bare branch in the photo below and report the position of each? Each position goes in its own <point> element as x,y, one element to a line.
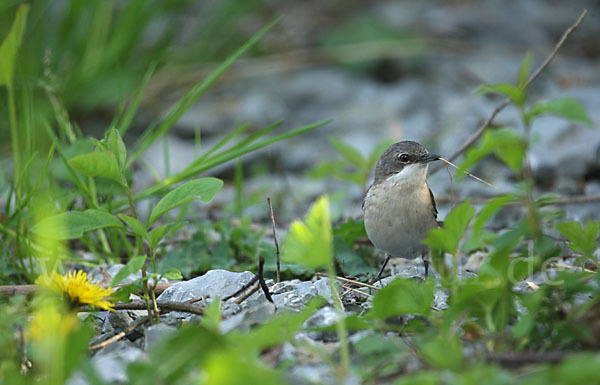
<point>506,102</point>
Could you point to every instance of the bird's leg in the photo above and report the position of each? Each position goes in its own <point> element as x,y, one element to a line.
<point>425,263</point>
<point>387,258</point>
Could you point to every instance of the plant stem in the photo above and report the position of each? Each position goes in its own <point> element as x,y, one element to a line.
<point>341,322</point>
<point>528,200</point>
<point>153,260</point>
<point>140,251</point>
<point>101,234</point>
<point>454,276</point>
<point>15,141</point>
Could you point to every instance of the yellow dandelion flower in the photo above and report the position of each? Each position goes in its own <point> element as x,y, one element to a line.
<point>79,289</point>
<point>48,323</point>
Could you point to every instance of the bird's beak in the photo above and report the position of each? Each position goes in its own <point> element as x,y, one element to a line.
<point>429,158</point>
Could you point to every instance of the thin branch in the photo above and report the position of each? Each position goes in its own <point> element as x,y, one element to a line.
<point>467,173</point>
<point>28,290</point>
<point>351,281</point>
<point>568,267</point>
<point>350,289</point>
<point>579,199</point>
<point>10,290</point>
<point>261,279</point>
<point>242,289</point>
<point>163,306</point>
<point>118,336</point>
<point>518,359</point>
<point>199,298</point>
<point>507,101</point>
<point>248,293</point>
<point>275,238</point>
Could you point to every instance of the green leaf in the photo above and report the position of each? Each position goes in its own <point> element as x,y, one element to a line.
<point>133,266</point>
<point>135,225</point>
<point>403,296</point>
<point>229,367</point>
<point>73,224</point>
<point>275,332</point>
<point>350,230</point>
<point>350,262</point>
<point>524,69</point>
<point>484,215</point>
<point>349,153</point>
<point>582,239</point>
<point>174,359</point>
<point>504,142</point>
<point>579,368</point>
<point>99,163</point>
<point>10,46</point>
<point>455,224</point>
<point>419,378</point>
<point>444,352</point>
<point>212,315</point>
<point>203,189</point>
<point>310,243</point>
<point>172,274</point>
<point>157,234</point>
<point>117,147</point>
<point>567,108</point>
<point>491,208</point>
<point>514,93</point>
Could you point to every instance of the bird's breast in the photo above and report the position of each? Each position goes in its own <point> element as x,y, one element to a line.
<point>398,217</point>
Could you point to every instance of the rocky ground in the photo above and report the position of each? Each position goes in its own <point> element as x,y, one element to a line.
<point>425,96</point>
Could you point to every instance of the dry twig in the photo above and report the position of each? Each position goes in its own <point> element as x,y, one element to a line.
<point>253,289</point>
<point>10,290</point>
<point>242,289</point>
<point>518,359</point>
<point>582,199</point>
<point>163,306</point>
<point>118,336</point>
<point>275,238</point>
<point>261,279</point>
<point>350,281</point>
<point>467,173</point>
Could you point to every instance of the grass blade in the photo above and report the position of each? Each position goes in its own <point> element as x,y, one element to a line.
<point>224,157</point>
<point>222,142</point>
<point>157,129</point>
<point>125,122</point>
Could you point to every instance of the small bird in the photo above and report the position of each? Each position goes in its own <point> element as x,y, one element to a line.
<point>399,207</point>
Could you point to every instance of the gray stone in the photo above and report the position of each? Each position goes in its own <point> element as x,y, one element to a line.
<point>111,362</point>
<point>248,318</point>
<point>296,294</point>
<point>323,317</point>
<point>326,316</point>
<point>117,321</point>
<point>215,283</point>
<point>154,334</point>
<point>475,261</point>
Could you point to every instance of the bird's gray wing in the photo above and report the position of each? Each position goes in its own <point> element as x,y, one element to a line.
<point>435,211</point>
<point>363,202</point>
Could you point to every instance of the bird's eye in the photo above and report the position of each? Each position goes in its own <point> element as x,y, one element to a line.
<point>403,158</point>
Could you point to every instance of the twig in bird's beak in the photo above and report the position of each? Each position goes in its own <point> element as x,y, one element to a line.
<point>468,173</point>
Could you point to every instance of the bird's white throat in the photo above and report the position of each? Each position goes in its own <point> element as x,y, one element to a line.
<point>412,175</point>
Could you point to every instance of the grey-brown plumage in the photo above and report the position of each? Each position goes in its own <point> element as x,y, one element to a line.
<point>399,208</point>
